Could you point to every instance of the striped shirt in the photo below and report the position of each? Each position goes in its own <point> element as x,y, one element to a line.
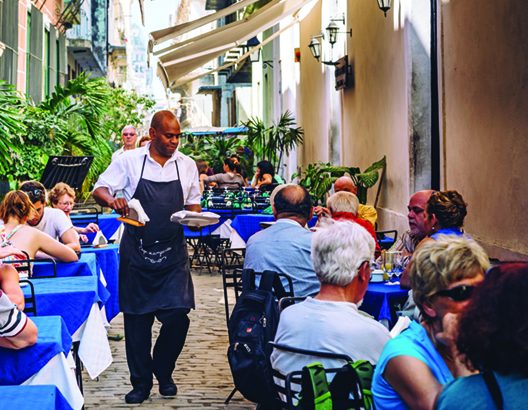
<point>12,320</point>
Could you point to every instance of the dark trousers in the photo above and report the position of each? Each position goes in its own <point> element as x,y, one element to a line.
<point>138,342</point>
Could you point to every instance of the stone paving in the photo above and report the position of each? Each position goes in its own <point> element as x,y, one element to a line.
<point>202,372</point>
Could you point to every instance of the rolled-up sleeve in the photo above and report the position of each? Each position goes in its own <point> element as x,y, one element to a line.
<point>114,178</point>
<point>193,191</point>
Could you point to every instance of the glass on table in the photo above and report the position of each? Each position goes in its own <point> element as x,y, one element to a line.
<point>391,264</point>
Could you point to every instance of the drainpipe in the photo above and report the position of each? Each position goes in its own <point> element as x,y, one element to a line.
<point>435,113</point>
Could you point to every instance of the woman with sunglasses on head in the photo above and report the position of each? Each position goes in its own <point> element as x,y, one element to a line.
<point>15,210</point>
<point>493,338</point>
<point>62,196</point>
<point>416,364</point>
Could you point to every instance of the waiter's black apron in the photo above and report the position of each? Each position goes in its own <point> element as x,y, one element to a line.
<point>154,265</point>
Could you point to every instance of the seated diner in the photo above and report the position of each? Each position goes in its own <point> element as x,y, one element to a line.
<point>62,196</point>
<point>416,364</point>
<point>15,210</point>
<point>230,178</point>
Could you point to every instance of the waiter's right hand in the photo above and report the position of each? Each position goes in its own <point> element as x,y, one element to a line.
<point>120,205</point>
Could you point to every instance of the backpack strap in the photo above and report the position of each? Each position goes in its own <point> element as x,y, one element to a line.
<point>314,388</point>
<point>248,280</point>
<point>267,279</point>
<point>345,384</point>
<point>494,389</point>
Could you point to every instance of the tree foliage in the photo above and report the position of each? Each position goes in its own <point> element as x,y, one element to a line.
<point>76,119</point>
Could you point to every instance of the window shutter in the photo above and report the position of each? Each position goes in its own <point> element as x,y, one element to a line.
<point>9,36</point>
<point>63,68</point>
<point>53,53</point>
<point>34,71</point>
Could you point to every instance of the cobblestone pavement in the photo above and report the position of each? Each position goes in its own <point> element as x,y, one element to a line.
<point>202,372</point>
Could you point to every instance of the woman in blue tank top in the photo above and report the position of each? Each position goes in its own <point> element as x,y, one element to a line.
<point>415,365</point>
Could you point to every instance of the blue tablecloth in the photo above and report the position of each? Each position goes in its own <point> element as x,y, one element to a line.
<point>69,297</point>
<point>19,365</point>
<point>87,265</point>
<point>108,260</point>
<point>225,214</point>
<point>108,223</point>
<point>32,398</point>
<point>382,300</point>
<point>247,225</point>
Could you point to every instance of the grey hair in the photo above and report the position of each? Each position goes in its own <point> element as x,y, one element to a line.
<point>128,126</point>
<point>338,250</point>
<point>343,201</point>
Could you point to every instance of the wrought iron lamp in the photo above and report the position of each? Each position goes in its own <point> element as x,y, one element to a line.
<point>332,30</point>
<point>384,6</point>
<point>252,42</point>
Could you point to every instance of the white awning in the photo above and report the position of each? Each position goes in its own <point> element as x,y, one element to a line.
<point>169,33</point>
<point>183,58</point>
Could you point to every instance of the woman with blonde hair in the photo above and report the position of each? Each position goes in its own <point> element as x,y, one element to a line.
<point>15,210</point>
<point>415,365</point>
<point>62,196</point>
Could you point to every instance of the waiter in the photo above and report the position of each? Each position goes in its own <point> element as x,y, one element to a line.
<point>154,275</point>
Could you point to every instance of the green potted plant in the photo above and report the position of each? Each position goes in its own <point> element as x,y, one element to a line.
<point>318,178</point>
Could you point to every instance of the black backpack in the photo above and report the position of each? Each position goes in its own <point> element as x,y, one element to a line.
<point>251,326</point>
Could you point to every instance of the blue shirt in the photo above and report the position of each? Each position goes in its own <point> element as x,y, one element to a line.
<point>413,342</point>
<point>447,231</point>
<point>284,247</point>
<point>473,392</point>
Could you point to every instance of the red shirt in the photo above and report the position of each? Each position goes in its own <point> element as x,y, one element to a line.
<point>349,216</point>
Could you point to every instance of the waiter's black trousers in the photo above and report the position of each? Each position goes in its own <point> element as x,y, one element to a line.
<point>138,342</point>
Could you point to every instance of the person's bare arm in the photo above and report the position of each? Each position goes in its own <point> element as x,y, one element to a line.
<point>10,285</point>
<point>54,248</point>
<point>413,381</point>
<point>70,238</point>
<point>102,197</point>
<point>27,337</point>
<point>266,180</point>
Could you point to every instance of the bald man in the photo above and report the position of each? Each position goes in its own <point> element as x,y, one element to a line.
<point>346,184</point>
<point>285,247</point>
<point>129,137</point>
<point>154,276</point>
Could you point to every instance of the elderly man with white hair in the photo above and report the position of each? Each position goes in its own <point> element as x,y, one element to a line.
<point>344,206</point>
<point>129,137</point>
<point>331,321</point>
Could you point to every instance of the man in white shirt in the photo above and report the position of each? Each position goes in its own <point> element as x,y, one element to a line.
<point>154,275</point>
<point>129,137</point>
<point>16,329</point>
<point>331,321</point>
<point>52,221</point>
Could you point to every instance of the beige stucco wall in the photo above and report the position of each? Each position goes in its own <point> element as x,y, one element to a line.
<point>313,95</point>
<point>485,116</point>
<point>376,110</point>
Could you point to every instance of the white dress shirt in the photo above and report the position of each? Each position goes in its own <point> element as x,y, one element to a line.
<point>124,172</point>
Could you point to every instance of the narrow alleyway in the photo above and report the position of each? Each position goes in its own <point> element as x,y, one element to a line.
<point>202,372</point>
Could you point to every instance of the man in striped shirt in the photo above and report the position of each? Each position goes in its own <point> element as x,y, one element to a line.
<point>16,329</point>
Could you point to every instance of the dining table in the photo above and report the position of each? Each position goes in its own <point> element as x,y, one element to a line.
<point>246,225</point>
<point>108,223</point>
<point>383,300</point>
<point>44,363</point>
<point>32,397</point>
<point>78,300</point>
<point>107,257</point>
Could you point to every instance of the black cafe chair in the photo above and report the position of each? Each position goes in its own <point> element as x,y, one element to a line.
<point>30,302</point>
<point>387,238</point>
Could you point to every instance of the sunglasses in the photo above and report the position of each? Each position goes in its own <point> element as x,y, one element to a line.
<point>34,194</point>
<point>129,133</point>
<point>458,293</point>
